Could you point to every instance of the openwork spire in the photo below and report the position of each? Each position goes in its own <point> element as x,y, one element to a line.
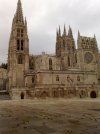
<point>95,41</point>
<point>64,33</point>
<point>25,24</point>
<point>70,32</point>
<point>19,13</point>
<point>78,34</point>
<point>59,31</point>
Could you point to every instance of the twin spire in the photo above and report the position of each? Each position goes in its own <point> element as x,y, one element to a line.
<point>19,18</point>
<point>70,34</point>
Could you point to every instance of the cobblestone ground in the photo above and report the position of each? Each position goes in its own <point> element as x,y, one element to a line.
<point>62,116</point>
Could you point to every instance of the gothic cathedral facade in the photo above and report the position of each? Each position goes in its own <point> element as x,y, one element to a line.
<point>71,72</point>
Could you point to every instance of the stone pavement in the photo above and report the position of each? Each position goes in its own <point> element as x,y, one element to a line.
<point>62,116</point>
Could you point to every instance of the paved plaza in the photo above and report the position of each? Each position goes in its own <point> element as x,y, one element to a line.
<point>53,116</point>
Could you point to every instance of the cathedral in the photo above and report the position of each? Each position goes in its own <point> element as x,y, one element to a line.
<point>71,72</point>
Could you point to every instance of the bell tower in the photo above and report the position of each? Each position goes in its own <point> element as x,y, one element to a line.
<point>18,53</point>
<point>65,48</point>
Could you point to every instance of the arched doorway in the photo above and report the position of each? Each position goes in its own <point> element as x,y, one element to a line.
<point>55,93</point>
<point>93,94</point>
<point>44,95</point>
<point>82,94</point>
<point>62,93</point>
<point>22,96</point>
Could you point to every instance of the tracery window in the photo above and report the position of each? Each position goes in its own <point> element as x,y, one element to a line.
<point>20,59</point>
<point>18,44</point>
<point>33,79</point>
<point>22,42</point>
<point>50,64</point>
<point>57,78</point>
<point>68,61</point>
<point>75,58</point>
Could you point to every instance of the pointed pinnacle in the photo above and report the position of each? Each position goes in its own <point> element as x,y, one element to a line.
<point>25,21</point>
<point>59,31</point>
<point>94,36</point>
<point>64,33</point>
<point>70,32</point>
<point>78,33</point>
<point>19,13</point>
<point>19,1</point>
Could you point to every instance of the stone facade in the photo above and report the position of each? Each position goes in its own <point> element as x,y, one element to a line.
<point>3,79</point>
<point>69,73</point>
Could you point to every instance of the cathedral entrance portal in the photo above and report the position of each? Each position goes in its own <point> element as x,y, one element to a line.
<point>44,95</point>
<point>55,93</point>
<point>93,94</point>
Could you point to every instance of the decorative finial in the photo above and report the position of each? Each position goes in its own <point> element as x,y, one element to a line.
<point>64,33</point>
<point>78,33</point>
<point>59,31</point>
<point>70,34</point>
<point>19,13</point>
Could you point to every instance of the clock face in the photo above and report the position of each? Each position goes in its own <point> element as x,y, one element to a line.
<point>88,57</point>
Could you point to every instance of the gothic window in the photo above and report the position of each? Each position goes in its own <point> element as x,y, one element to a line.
<point>63,42</point>
<point>78,78</point>
<point>18,44</point>
<point>33,79</point>
<point>21,32</point>
<point>68,46</point>
<point>50,64</point>
<point>68,78</point>
<point>62,92</point>
<point>75,58</point>
<point>57,78</point>
<point>22,42</point>
<point>31,64</point>
<point>68,61</point>
<point>20,59</point>
<point>18,32</point>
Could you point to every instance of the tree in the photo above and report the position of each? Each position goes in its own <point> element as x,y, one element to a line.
<point>4,65</point>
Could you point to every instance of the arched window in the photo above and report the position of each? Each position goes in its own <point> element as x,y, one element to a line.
<point>50,64</point>
<point>22,95</point>
<point>20,59</point>
<point>64,43</point>
<point>75,58</point>
<point>22,32</point>
<point>78,78</point>
<point>18,32</point>
<point>57,78</point>
<point>22,42</point>
<point>68,61</point>
<point>18,44</point>
<point>33,79</point>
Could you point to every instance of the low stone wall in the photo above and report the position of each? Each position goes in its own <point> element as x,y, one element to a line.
<point>55,92</point>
